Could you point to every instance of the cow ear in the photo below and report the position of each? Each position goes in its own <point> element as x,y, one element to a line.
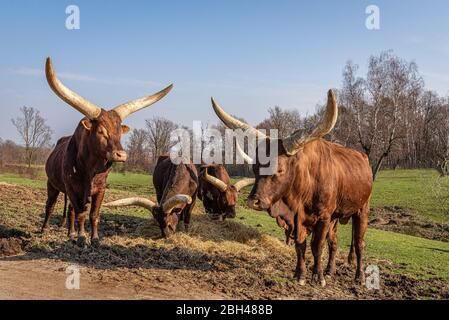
<point>125,129</point>
<point>87,124</point>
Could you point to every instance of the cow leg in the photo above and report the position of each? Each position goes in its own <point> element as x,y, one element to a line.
<point>351,254</point>
<point>319,235</point>
<point>52,197</point>
<point>94,216</point>
<point>360,222</point>
<point>71,224</point>
<point>187,214</point>
<point>300,272</point>
<point>332,247</point>
<point>300,247</point>
<point>81,217</point>
<point>64,213</point>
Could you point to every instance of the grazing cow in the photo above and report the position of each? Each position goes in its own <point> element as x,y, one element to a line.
<point>320,182</point>
<point>219,196</point>
<point>79,164</point>
<point>176,189</point>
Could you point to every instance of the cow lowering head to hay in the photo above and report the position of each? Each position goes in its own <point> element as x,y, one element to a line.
<point>176,189</point>
<point>319,181</point>
<point>218,194</point>
<point>79,164</point>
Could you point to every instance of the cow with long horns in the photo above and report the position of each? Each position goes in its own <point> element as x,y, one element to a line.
<point>320,181</point>
<point>79,164</point>
<point>218,194</point>
<point>176,190</point>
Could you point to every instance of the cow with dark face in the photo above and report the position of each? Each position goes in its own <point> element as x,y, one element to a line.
<point>321,182</point>
<point>176,189</point>
<point>218,194</point>
<point>79,164</point>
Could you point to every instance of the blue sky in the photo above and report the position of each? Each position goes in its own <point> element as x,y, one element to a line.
<point>249,55</point>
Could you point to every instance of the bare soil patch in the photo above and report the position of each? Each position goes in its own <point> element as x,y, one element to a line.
<point>406,221</point>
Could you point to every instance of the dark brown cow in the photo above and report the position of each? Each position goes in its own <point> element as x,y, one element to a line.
<point>79,165</point>
<point>320,181</point>
<point>219,196</point>
<point>176,189</point>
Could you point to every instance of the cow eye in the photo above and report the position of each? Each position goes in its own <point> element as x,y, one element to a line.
<point>103,132</point>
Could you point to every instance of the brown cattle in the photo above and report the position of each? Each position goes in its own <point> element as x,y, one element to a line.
<point>320,181</point>
<point>218,194</point>
<point>79,164</point>
<point>176,189</point>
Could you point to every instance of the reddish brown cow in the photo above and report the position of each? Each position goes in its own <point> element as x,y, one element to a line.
<point>79,165</point>
<point>318,180</point>
<point>176,189</point>
<point>219,196</point>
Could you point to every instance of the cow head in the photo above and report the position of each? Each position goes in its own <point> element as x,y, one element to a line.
<point>103,129</point>
<point>268,189</point>
<point>227,193</point>
<point>166,214</point>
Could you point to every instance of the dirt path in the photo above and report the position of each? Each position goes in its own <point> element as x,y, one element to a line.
<point>46,279</point>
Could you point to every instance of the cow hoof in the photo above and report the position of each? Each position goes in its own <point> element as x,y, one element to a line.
<point>319,279</point>
<point>44,230</point>
<point>81,242</point>
<point>330,272</point>
<point>360,279</point>
<point>72,236</point>
<point>351,260</point>
<point>302,282</point>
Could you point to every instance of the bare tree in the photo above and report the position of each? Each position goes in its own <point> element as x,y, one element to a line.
<point>138,151</point>
<point>158,133</point>
<point>285,121</point>
<point>382,106</point>
<point>33,130</point>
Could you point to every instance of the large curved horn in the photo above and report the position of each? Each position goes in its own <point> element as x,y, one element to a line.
<point>177,201</point>
<point>234,123</point>
<point>126,109</point>
<point>295,142</point>
<point>217,183</point>
<point>239,185</point>
<point>243,154</point>
<point>81,104</point>
<point>141,202</point>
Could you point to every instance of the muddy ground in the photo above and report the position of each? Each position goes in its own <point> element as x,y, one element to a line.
<point>406,221</point>
<point>214,260</point>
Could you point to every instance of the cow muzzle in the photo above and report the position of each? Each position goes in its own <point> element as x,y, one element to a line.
<point>118,156</point>
<point>257,204</point>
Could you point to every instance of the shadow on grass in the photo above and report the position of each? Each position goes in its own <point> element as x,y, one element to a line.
<point>435,249</point>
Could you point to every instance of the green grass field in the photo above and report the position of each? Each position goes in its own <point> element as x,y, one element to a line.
<point>420,190</point>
